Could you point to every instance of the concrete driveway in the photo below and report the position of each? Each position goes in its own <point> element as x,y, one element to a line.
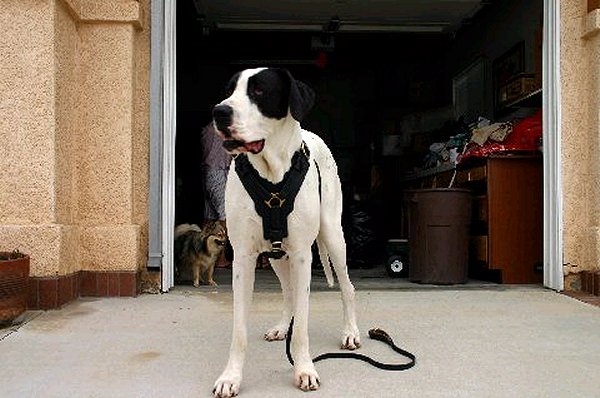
<point>478,342</point>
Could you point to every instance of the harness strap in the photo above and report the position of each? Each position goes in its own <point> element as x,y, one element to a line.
<point>274,202</point>
<point>375,334</point>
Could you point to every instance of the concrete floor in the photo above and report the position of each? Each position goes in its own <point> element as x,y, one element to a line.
<point>374,278</point>
<point>484,341</point>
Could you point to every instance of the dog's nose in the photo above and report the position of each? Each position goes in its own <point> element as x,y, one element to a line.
<point>222,114</point>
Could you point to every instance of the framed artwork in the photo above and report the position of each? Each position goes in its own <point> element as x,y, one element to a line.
<point>507,66</point>
<point>468,94</point>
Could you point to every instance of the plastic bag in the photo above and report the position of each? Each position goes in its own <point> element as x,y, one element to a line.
<point>361,239</point>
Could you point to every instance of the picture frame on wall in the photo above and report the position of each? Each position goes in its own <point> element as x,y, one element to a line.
<point>506,67</point>
<point>468,96</point>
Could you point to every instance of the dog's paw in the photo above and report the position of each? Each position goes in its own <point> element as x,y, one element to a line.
<point>306,378</point>
<point>351,339</point>
<point>213,283</point>
<point>196,284</point>
<point>227,386</point>
<point>276,333</point>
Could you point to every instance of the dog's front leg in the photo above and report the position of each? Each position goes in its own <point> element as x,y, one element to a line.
<point>305,375</point>
<point>211,271</point>
<point>279,331</point>
<point>228,384</point>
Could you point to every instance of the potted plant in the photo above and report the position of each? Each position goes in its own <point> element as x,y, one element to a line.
<point>14,282</point>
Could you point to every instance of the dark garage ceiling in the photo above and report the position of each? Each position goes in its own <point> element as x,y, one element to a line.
<point>433,16</point>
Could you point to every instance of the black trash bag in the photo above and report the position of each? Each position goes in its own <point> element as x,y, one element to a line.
<point>362,245</point>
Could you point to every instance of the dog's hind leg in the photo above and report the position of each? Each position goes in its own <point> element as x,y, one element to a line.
<point>228,384</point>
<point>334,241</point>
<point>282,270</point>
<point>305,374</point>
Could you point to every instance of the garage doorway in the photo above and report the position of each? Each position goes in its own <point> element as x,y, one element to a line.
<point>369,84</point>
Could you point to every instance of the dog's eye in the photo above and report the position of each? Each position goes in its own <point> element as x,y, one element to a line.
<point>258,91</point>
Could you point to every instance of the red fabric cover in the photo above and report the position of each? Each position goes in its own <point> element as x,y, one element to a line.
<point>525,136</point>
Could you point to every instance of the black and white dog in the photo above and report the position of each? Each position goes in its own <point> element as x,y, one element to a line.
<point>260,118</point>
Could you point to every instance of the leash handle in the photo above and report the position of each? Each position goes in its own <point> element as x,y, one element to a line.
<point>375,334</point>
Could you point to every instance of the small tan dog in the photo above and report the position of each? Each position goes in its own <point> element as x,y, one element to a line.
<point>199,249</point>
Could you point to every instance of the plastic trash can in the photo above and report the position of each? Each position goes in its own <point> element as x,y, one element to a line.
<point>438,235</point>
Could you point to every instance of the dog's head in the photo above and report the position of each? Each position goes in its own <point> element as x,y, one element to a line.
<point>258,100</point>
<point>214,237</point>
<point>216,241</point>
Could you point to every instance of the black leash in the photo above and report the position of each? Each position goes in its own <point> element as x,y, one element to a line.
<point>375,334</point>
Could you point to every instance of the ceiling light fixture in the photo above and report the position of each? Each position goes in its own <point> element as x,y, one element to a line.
<point>431,27</point>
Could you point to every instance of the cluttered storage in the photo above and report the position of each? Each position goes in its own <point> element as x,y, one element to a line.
<point>436,132</point>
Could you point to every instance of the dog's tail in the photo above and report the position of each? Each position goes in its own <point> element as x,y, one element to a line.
<point>185,228</point>
<point>325,261</point>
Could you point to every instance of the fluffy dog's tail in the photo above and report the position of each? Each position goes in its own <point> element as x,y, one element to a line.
<point>325,261</point>
<point>184,228</point>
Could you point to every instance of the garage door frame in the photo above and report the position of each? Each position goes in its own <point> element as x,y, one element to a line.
<point>163,129</point>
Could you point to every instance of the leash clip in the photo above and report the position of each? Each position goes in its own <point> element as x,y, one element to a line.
<point>276,252</point>
<point>304,150</point>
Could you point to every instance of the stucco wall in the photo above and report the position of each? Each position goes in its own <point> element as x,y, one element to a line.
<point>591,37</point>
<point>141,131</point>
<point>580,64</point>
<point>74,97</point>
<point>68,124</point>
<point>28,202</point>
<point>26,102</point>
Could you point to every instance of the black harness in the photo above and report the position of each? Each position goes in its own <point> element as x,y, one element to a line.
<point>274,202</point>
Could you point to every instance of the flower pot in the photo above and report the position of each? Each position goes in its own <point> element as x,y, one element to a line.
<point>14,283</point>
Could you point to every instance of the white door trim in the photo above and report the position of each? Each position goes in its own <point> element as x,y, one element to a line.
<point>553,211</point>
<point>169,132</point>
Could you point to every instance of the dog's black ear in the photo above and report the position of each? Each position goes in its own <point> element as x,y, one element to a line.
<point>301,99</point>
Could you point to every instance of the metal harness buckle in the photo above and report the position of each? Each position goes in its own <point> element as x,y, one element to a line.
<point>275,196</point>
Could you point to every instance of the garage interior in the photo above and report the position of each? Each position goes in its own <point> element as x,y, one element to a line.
<point>400,88</point>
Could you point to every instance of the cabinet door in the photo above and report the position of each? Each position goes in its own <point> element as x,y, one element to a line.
<point>515,217</point>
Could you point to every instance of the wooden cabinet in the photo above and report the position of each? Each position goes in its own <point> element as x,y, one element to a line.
<point>506,241</point>
<point>506,233</point>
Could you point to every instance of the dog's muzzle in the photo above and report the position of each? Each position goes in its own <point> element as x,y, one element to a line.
<point>231,145</point>
<point>252,147</point>
<point>223,115</point>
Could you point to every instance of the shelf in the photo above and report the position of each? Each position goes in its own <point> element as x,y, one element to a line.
<point>531,100</point>
<point>429,172</point>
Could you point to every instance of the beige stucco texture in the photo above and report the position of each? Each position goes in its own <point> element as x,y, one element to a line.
<point>26,106</point>
<point>580,89</point>
<point>591,37</point>
<point>73,97</point>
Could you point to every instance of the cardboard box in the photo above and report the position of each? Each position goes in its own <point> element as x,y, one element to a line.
<point>517,88</point>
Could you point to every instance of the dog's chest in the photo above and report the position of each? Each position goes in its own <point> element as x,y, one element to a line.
<point>244,221</point>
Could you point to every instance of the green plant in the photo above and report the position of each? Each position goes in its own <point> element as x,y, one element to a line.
<point>15,254</point>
